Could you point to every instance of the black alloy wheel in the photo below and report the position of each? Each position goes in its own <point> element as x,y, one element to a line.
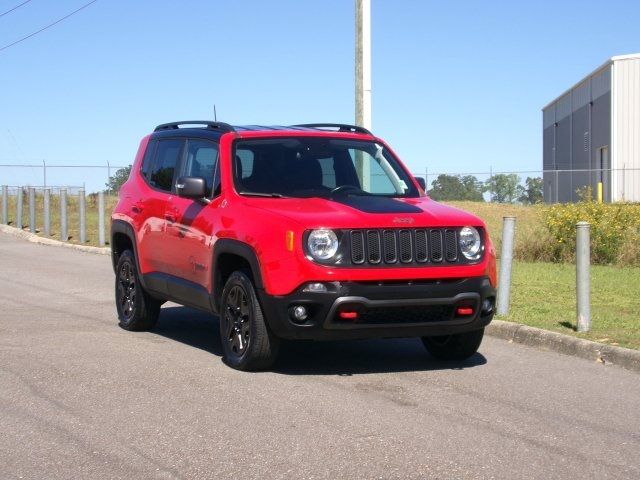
<point>126,291</point>
<point>247,341</point>
<point>137,310</point>
<point>237,321</point>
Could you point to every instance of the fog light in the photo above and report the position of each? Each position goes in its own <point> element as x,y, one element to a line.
<point>487,306</point>
<point>299,313</point>
<point>315,288</point>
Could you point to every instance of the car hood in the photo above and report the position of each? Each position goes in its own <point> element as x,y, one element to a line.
<point>366,212</point>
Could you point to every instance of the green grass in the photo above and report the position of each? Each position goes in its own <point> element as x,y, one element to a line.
<point>544,295</point>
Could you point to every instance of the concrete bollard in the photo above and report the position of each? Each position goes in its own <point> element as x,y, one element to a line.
<point>506,262</point>
<point>64,231</point>
<point>19,205</point>
<point>5,204</point>
<point>32,210</point>
<point>101,238</point>
<point>583,275</point>
<point>47,211</point>
<point>83,215</point>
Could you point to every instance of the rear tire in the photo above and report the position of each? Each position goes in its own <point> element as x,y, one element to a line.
<point>454,347</point>
<point>137,310</point>
<point>247,342</point>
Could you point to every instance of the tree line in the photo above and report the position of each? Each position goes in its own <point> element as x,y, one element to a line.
<point>502,188</point>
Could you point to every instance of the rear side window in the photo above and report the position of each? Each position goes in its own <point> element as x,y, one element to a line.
<point>147,161</point>
<point>202,161</point>
<point>164,167</point>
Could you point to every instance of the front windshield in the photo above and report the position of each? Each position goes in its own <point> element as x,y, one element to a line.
<point>318,167</point>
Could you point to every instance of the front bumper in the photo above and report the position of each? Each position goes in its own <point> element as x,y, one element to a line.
<point>384,309</point>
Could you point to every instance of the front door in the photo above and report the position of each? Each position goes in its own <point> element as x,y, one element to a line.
<point>191,223</point>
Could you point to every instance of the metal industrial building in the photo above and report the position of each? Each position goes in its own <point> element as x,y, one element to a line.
<point>591,135</point>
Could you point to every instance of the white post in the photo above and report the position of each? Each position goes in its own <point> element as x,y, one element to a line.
<point>506,261</point>
<point>583,280</point>
<point>101,239</point>
<point>82,199</point>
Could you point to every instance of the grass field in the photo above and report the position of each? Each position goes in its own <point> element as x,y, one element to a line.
<point>544,295</point>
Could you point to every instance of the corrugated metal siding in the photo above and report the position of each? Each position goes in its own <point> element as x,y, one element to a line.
<point>548,116</point>
<point>626,130</point>
<point>563,107</point>
<point>601,83</point>
<point>580,96</point>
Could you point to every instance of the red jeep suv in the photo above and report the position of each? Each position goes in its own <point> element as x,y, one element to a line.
<point>311,231</point>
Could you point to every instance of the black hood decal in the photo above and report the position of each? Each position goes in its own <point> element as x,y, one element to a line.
<point>373,204</point>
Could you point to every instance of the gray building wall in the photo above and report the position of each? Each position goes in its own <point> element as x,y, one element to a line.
<point>575,127</point>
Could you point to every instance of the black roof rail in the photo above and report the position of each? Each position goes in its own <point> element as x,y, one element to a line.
<point>223,127</point>
<point>342,127</point>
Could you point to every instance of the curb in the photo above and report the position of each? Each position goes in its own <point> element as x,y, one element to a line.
<point>565,344</point>
<point>33,238</point>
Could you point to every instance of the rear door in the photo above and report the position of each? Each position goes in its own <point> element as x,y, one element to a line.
<point>160,179</point>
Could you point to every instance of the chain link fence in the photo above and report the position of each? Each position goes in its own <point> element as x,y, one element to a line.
<point>47,175</point>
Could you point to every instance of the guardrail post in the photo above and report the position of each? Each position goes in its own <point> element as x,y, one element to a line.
<point>506,262</point>
<point>5,204</point>
<point>32,210</point>
<point>101,239</point>
<point>83,215</point>
<point>583,280</point>
<point>47,211</point>
<point>19,205</point>
<point>64,232</point>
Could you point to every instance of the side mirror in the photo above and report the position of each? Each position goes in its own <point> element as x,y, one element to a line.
<point>191,187</point>
<point>421,181</point>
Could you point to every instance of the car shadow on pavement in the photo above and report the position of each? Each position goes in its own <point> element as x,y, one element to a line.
<point>349,357</point>
<point>352,357</point>
<point>191,327</point>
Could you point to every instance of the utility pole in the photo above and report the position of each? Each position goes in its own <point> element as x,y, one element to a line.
<point>363,83</point>
<point>363,63</point>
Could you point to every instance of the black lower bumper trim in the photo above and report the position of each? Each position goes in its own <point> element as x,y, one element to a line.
<point>382,309</point>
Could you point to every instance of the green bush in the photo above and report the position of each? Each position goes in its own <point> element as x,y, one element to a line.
<point>615,231</point>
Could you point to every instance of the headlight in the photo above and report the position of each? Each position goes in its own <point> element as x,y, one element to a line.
<point>470,243</point>
<point>322,244</point>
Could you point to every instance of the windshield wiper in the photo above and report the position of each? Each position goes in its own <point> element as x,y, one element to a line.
<point>261,194</point>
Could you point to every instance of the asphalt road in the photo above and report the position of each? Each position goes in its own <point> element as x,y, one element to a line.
<point>81,398</point>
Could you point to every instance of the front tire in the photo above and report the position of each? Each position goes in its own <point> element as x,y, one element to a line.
<point>454,347</point>
<point>137,310</point>
<point>247,342</point>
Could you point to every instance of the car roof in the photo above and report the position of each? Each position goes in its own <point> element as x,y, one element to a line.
<point>206,128</point>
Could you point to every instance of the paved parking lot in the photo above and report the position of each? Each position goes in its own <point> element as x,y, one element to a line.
<point>81,398</point>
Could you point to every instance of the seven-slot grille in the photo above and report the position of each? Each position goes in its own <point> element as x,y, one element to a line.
<point>391,246</point>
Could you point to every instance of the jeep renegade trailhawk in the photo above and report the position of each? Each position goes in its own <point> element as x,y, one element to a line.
<point>298,232</point>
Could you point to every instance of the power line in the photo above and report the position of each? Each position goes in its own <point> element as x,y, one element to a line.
<point>48,26</point>
<point>14,8</point>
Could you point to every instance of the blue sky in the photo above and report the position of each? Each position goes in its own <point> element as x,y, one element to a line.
<point>457,86</point>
